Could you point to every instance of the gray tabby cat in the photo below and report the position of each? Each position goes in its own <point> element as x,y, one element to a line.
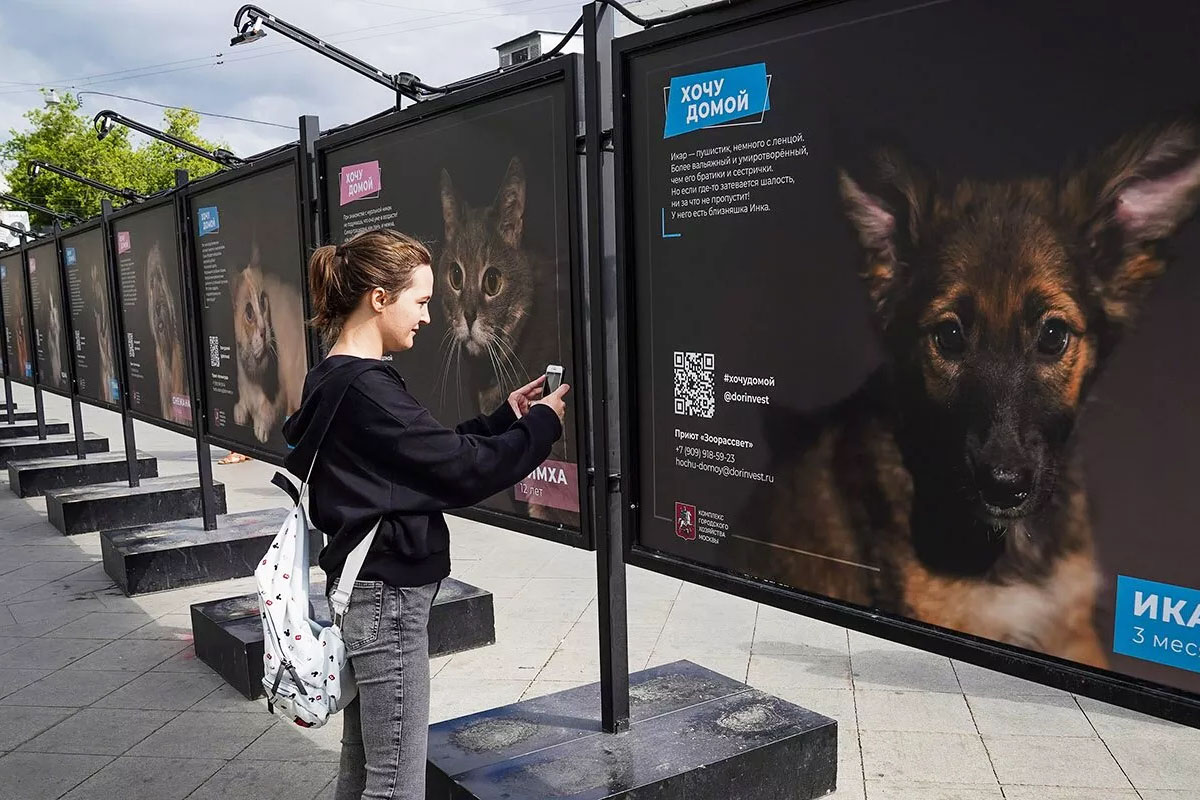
<point>500,302</point>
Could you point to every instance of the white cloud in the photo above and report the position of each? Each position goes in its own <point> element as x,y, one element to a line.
<point>96,46</point>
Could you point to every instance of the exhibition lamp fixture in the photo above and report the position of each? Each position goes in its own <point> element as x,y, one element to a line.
<point>250,21</point>
<point>72,218</point>
<point>37,166</point>
<point>20,232</point>
<point>107,119</point>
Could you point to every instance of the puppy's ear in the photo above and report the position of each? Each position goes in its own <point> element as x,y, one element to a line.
<point>1144,187</point>
<point>887,218</point>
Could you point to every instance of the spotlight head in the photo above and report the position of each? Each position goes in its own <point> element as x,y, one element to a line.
<point>104,125</point>
<point>252,31</point>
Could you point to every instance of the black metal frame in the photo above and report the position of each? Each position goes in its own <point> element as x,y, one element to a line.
<point>51,241</point>
<point>166,201</point>
<point>34,380</point>
<point>568,70</point>
<point>1144,696</point>
<point>18,253</point>
<point>96,223</point>
<point>294,156</point>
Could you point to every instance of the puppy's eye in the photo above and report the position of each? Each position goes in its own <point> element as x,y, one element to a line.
<point>949,338</point>
<point>1053,338</point>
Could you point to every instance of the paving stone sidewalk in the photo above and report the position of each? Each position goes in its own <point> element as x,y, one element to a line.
<point>104,700</point>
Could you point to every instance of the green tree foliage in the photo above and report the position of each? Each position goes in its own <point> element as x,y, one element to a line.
<point>63,135</point>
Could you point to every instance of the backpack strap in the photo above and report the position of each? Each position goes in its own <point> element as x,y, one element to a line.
<point>341,381</point>
<point>339,600</point>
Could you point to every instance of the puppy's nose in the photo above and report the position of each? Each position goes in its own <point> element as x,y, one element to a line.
<point>1004,486</point>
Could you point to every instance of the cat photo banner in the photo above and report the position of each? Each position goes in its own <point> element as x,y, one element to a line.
<point>486,185</point>
<point>152,315</point>
<point>17,336</point>
<point>49,320</point>
<point>248,257</point>
<point>914,325</point>
<point>88,298</point>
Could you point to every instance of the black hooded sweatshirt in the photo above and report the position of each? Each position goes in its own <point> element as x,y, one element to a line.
<point>386,456</point>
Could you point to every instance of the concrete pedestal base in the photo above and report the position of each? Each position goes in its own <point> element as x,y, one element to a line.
<point>694,735</point>
<point>38,476</point>
<point>228,633</point>
<point>96,508</point>
<point>30,447</point>
<point>154,558</point>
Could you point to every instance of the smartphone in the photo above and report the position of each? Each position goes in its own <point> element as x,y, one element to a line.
<point>554,375</point>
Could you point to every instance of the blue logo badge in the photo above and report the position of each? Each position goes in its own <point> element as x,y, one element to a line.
<point>70,254</point>
<point>1158,622</point>
<point>210,221</point>
<point>707,99</point>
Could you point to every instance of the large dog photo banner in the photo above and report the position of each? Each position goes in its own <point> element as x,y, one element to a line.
<point>16,319</point>
<point>88,293</point>
<point>49,322</point>
<point>250,264</point>
<point>485,188</point>
<point>152,311</point>
<point>918,316</point>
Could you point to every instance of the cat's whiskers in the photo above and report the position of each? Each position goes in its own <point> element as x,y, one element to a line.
<point>520,373</point>
<point>500,368</point>
<point>446,354</point>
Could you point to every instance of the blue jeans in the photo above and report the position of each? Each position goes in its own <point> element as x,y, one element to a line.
<point>385,730</point>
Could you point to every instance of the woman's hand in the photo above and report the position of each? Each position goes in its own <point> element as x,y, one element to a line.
<point>556,403</point>
<point>521,399</point>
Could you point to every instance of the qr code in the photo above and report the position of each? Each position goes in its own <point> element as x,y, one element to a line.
<point>695,395</point>
<point>214,352</point>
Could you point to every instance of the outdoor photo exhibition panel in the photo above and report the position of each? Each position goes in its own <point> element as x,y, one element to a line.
<point>152,315</point>
<point>915,324</point>
<point>487,179</point>
<point>247,255</point>
<point>88,299</point>
<point>49,321</point>
<point>18,338</point>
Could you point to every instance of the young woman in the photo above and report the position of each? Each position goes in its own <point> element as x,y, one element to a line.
<point>384,457</point>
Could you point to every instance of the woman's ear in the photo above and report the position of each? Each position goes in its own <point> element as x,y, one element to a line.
<point>379,299</point>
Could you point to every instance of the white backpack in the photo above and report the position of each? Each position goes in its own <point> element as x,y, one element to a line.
<point>306,673</point>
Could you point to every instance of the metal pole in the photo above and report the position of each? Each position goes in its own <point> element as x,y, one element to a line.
<point>69,326</point>
<point>8,398</point>
<point>191,303</point>
<point>311,199</point>
<point>38,402</point>
<point>610,553</point>
<point>114,302</point>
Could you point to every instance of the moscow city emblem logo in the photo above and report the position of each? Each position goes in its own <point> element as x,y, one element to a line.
<point>685,521</point>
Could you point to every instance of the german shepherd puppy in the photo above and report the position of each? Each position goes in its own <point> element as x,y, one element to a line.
<point>947,490</point>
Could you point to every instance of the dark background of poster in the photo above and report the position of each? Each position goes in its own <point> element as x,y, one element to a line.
<point>986,90</point>
<point>45,282</point>
<point>475,146</point>
<point>262,208</point>
<point>86,300</point>
<point>16,319</point>
<point>154,227</point>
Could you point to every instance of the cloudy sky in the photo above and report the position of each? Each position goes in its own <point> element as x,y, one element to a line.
<point>177,52</point>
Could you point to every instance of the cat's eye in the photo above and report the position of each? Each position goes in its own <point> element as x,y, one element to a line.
<point>949,338</point>
<point>492,282</point>
<point>1053,338</point>
<point>249,312</point>
<point>456,278</point>
<point>262,301</point>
